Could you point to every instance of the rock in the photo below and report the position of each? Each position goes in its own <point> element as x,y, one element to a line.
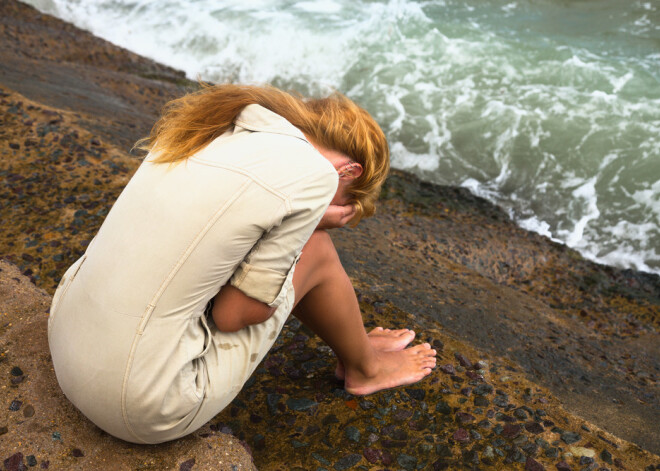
<point>63,424</point>
<point>570,437</point>
<point>372,455</point>
<point>300,404</point>
<point>448,369</point>
<point>462,359</point>
<point>443,408</point>
<point>347,461</point>
<point>461,436</point>
<point>534,427</point>
<point>482,390</point>
<point>187,465</point>
<point>352,433</point>
<point>520,414</point>
<point>407,461</point>
<point>606,456</point>
<point>511,431</point>
<point>584,460</point>
<point>501,400</point>
<point>563,466</point>
<point>28,411</point>
<point>14,462</point>
<point>16,371</point>
<point>532,465</point>
<point>417,394</point>
<point>488,455</point>
<point>581,451</point>
<point>464,418</point>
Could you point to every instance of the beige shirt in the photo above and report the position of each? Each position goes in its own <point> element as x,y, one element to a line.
<point>129,341</point>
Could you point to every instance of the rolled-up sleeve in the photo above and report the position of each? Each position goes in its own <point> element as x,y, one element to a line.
<point>263,271</point>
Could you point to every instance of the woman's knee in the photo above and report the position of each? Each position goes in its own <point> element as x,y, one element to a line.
<point>320,249</point>
<point>319,261</point>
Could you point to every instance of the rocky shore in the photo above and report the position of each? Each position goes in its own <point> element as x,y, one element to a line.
<point>546,361</point>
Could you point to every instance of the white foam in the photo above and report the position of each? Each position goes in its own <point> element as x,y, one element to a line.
<point>563,135</point>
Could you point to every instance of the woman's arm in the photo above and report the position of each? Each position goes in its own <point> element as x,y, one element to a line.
<point>233,310</point>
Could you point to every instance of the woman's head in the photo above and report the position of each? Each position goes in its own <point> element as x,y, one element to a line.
<point>191,122</point>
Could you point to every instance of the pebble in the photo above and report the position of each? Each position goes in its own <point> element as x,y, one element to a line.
<point>3,430</point>
<point>483,390</point>
<point>462,359</point>
<point>520,414</point>
<point>534,427</point>
<point>501,401</point>
<point>532,465</point>
<point>301,404</point>
<point>488,454</point>
<point>321,459</point>
<point>15,405</point>
<point>480,401</point>
<point>31,460</point>
<point>14,462</point>
<point>352,433</point>
<point>461,436</point>
<point>511,430</point>
<point>464,418</point>
<point>77,452</point>
<point>570,437</point>
<point>407,461</point>
<point>367,405</point>
<point>28,411</point>
<point>348,461</point>
<point>563,466</point>
<point>552,452</point>
<point>449,369</point>
<point>372,455</point>
<point>443,408</point>
<point>582,452</point>
<point>16,371</point>
<point>187,465</point>
<point>417,394</point>
<point>606,456</point>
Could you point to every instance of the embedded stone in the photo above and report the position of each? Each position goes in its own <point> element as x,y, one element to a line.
<point>461,436</point>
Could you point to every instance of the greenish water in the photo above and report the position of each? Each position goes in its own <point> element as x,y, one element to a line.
<point>551,109</point>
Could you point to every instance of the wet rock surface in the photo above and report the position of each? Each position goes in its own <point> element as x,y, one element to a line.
<point>546,361</point>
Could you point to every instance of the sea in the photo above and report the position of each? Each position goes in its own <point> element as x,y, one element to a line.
<point>548,108</point>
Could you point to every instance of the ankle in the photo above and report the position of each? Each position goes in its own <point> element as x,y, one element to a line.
<point>366,367</point>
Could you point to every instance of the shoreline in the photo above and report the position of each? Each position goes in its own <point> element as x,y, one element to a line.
<point>605,252</point>
<point>436,258</point>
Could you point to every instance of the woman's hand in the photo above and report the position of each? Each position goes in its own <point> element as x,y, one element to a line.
<point>336,216</point>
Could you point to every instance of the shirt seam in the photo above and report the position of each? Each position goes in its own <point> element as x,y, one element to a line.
<point>285,132</point>
<point>285,198</point>
<point>152,304</point>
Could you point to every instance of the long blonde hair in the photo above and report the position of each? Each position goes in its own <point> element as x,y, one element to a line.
<point>191,122</point>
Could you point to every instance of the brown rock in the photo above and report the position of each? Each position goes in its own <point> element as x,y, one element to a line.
<point>23,306</point>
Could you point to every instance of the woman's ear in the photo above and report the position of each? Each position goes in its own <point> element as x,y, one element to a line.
<point>350,170</point>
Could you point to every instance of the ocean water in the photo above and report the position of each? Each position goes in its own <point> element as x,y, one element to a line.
<point>549,108</point>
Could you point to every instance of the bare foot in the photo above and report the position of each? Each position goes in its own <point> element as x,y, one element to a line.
<point>392,369</point>
<point>384,340</point>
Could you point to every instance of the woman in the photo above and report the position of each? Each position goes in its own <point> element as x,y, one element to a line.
<point>191,277</point>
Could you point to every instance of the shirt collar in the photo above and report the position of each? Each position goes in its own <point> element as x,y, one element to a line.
<point>257,118</point>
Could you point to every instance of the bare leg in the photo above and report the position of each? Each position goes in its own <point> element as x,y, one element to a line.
<point>326,302</point>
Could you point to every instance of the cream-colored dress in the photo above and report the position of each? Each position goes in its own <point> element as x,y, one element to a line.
<point>130,343</point>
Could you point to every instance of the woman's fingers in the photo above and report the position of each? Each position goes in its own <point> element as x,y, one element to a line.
<point>336,216</point>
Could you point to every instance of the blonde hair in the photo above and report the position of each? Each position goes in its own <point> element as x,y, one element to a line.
<point>191,122</point>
